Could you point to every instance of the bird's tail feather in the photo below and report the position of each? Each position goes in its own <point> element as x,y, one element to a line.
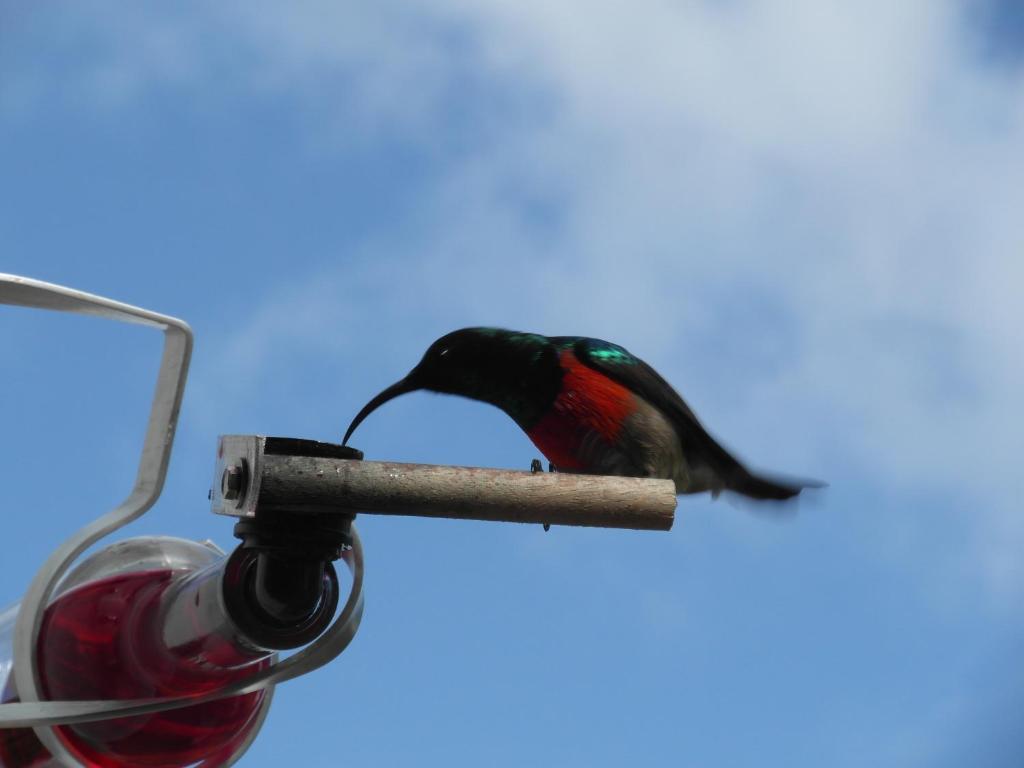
<point>762,487</point>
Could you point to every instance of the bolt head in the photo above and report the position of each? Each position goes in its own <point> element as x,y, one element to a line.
<point>232,482</point>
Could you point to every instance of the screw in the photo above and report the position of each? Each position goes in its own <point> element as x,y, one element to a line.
<point>231,482</point>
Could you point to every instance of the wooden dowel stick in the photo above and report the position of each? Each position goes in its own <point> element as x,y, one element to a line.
<point>312,484</point>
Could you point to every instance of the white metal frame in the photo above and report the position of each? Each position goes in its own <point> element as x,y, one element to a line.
<point>149,481</point>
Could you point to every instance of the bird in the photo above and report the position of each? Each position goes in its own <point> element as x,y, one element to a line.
<point>590,406</point>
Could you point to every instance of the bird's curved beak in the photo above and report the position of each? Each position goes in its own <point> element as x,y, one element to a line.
<point>408,384</point>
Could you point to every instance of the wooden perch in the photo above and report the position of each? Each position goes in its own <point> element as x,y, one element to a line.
<point>304,484</point>
<point>258,475</point>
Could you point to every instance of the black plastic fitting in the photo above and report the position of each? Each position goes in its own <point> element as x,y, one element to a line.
<point>280,587</point>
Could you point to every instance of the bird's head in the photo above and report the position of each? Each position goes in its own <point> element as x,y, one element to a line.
<point>489,364</point>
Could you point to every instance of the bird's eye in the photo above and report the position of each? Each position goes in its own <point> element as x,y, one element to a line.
<point>443,352</point>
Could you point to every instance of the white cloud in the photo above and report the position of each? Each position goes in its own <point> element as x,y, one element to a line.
<point>850,168</point>
<point>853,163</point>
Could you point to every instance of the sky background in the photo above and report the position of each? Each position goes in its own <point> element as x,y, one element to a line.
<point>806,215</point>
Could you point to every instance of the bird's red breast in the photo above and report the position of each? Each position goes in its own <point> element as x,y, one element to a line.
<point>588,404</point>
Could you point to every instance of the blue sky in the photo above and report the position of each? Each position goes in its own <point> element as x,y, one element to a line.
<point>806,215</point>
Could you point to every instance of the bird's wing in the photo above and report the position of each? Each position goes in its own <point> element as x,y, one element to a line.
<point>622,366</point>
<point>698,446</point>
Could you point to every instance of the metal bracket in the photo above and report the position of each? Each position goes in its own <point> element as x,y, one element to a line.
<point>239,469</point>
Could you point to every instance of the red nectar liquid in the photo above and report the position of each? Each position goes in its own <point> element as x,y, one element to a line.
<point>105,640</point>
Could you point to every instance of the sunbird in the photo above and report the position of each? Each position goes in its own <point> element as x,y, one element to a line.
<point>589,406</point>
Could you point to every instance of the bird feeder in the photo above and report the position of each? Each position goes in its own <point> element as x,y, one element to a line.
<point>163,652</point>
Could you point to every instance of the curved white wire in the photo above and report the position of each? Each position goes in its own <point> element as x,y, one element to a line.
<point>152,471</point>
<point>149,480</point>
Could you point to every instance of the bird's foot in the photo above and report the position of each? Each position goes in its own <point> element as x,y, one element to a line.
<point>536,466</point>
